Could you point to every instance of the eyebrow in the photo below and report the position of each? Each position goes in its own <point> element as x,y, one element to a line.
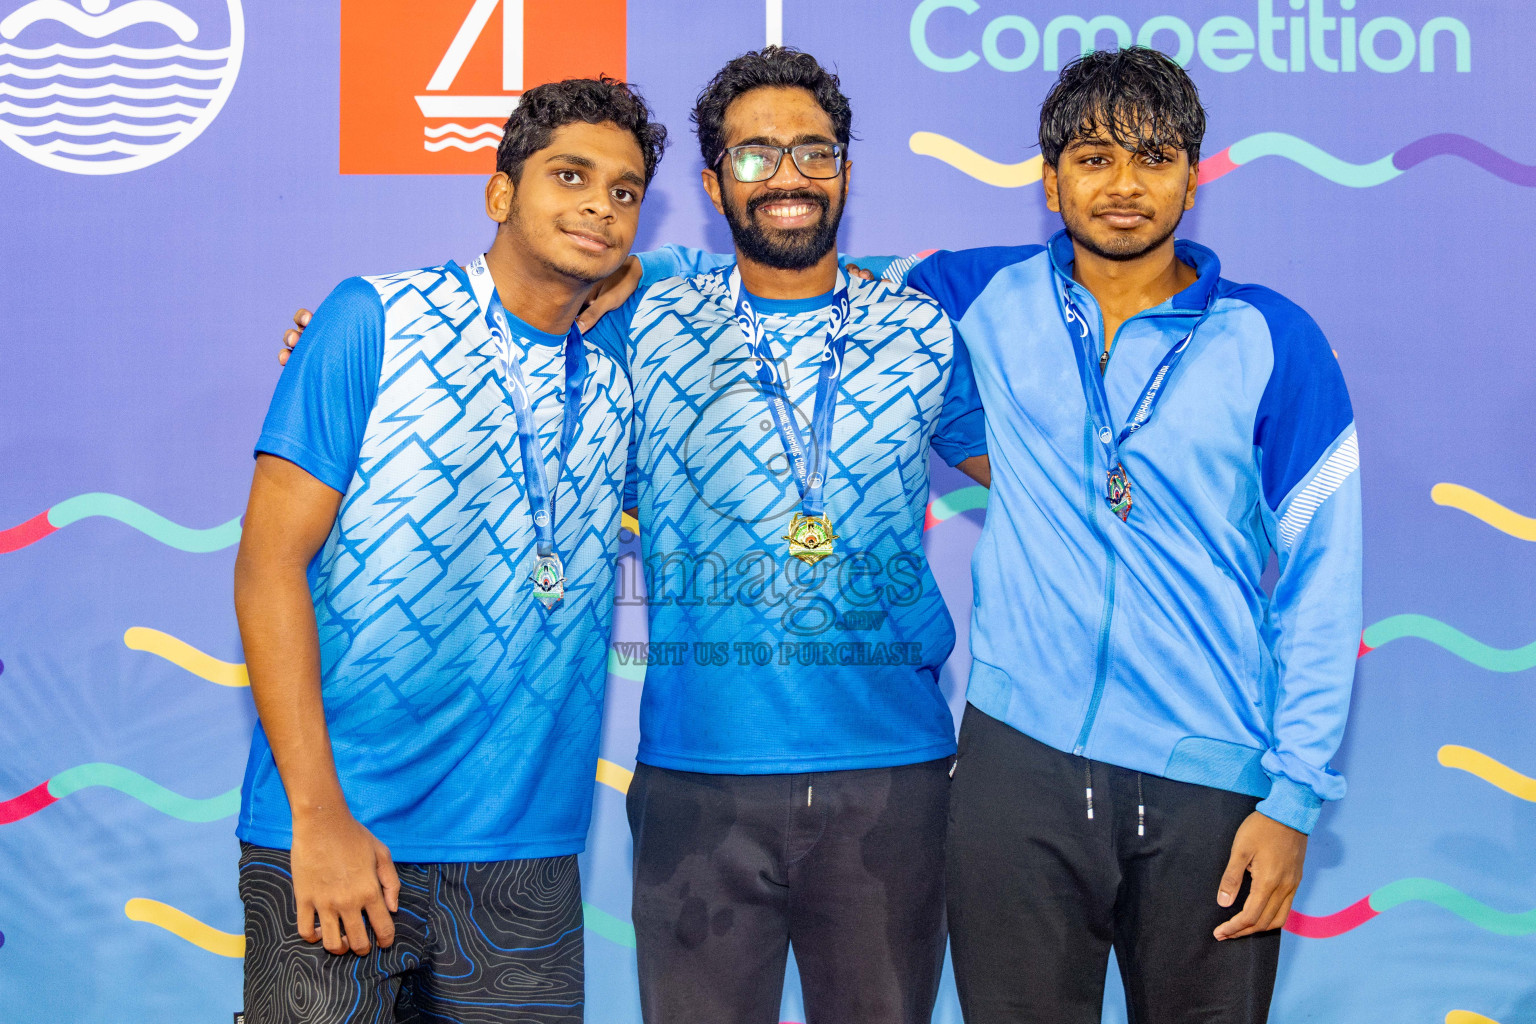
<point>798,140</point>
<point>628,177</point>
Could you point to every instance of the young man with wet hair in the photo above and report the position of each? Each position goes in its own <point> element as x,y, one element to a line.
<point>1149,728</point>
<point>424,589</point>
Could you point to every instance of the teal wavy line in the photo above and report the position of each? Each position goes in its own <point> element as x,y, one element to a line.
<point>123,780</point>
<point>609,927</point>
<point>1458,643</point>
<point>1313,159</point>
<point>633,671</point>
<point>964,499</point>
<point>152,524</point>
<point>1427,890</point>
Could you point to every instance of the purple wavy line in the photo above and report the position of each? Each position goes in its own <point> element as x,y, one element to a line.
<point>1470,150</point>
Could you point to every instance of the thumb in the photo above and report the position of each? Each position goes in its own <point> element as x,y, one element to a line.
<point>389,878</point>
<point>1232,878</point>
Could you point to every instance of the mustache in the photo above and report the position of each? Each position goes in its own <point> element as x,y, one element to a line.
<point>804,195</point>
<point>591,229</point>
<point>1124,209</point>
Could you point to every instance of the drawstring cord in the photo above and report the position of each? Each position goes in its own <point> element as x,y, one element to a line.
<point>1141,808</point>
<point>1088,778</point>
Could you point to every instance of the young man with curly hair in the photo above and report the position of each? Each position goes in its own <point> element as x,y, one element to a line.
<point>424,589</point>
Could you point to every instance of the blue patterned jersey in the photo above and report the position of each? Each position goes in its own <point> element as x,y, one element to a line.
<point>758,663</point>
<point>464,716</point>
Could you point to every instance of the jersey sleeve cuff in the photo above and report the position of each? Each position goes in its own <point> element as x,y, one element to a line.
<point>1291,803</point>
<point>333,476</point>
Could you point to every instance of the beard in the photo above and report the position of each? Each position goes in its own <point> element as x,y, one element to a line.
<point>797,249</point>
<point>1121,248</point>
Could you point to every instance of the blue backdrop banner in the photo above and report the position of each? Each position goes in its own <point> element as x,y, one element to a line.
<point>178,177</point>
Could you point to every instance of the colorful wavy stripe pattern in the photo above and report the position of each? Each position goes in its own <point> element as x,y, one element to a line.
<point>1479,764</point>
<point>1480,506</point>
<point>124,780</point>
<point>1494,659</point>
<point>1245,151</point>
<point>130,513</point>
<point>965,499</point>
<point>1412,890</point>
<point>1467,1017</point>
<point>184,656</point>
<point>206,937</point>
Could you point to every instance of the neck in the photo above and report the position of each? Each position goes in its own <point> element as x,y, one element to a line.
<point>536,294</point>
<point>773,283</point>
<point>1132,286</point>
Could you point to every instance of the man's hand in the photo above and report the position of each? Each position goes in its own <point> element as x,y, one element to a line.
<point>860,273</point>
<point>341,872</point>
<point>610,293</point>
<point>1272,853</point>
<point>292,334</point>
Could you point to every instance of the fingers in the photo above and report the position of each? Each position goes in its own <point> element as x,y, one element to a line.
<point>290,338</point>
<point>306,913</point>
<point>1256,908</point>
<point>378,918</point>
<point>1265,919</point>
<point>330,933</point>
<point>302,319</point>
<point>282,356</point>
<point>860,273</point>
<point>356,938</point>
<point>1232,878</point>
<point>389,881</point>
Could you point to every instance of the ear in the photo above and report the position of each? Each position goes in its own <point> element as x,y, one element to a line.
<point>1194,183</point>
<point>1052,187</point>
<point>498,197</point>
<point>712,186</point>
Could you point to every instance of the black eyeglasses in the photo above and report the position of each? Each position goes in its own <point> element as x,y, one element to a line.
<point>759,163</point>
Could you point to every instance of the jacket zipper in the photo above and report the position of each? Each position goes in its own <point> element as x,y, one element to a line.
<point>1106,618</point>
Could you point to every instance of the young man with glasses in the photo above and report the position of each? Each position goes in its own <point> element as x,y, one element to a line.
<point>793,782</point>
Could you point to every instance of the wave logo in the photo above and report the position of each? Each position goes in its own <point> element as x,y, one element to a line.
<point>104,88</point>
<point>427,87</point>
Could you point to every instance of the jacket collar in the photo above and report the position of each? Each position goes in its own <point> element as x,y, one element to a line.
<point>1197,298</point>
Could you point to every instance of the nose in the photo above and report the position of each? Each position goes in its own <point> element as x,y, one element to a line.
<point>1126,181</point>
<point>788,175</point>
<point>597,203</point>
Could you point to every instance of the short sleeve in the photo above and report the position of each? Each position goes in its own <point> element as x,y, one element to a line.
<point>961,432</point>
<point>326,393</point>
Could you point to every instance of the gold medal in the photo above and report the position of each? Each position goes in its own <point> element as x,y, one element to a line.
<point>810,538</point>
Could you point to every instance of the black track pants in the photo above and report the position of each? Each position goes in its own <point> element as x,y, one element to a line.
<point>1039,892</point>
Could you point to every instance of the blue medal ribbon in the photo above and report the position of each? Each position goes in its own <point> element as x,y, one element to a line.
<point>1118,485</point>
<point>807,463</point>
<point>540,497</point>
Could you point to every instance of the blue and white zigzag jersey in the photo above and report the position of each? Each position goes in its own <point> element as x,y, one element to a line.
<point>1152,643</point>
<point>759,663</point>
<point>464,716</point>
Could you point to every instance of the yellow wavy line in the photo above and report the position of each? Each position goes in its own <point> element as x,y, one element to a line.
<point>1490,771</point>
<point>184,655</point>
<point>1485,508</point>
<point>968,161</point>
<point>185,926</point>
<point>614,776</point>
<point>629,523</point>
<point>1467,1017</point>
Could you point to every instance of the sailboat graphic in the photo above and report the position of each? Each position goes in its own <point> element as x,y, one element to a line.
<point>439,103</point>
<point>93,88</point>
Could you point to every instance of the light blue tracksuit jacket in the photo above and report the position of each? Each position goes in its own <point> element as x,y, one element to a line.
<point>1152,644</point>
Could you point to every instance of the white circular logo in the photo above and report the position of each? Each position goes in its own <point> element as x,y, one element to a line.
<point>104,87</point>
<point>1104,434</point>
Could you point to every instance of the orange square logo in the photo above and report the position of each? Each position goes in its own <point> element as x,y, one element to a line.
<point>426,85</point>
